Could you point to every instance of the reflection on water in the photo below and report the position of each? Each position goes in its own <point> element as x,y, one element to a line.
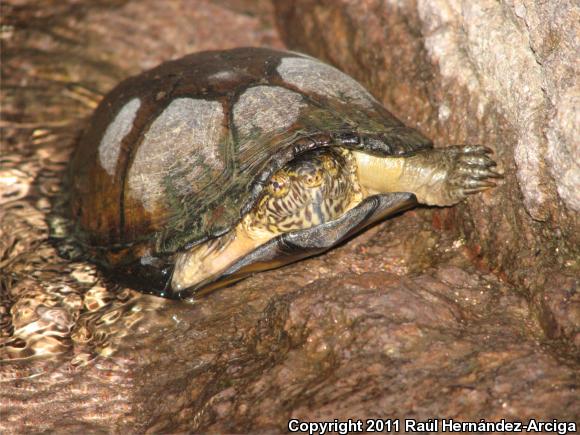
<point>50,308</point>
<point>56,65</point>
<point>56,316</point>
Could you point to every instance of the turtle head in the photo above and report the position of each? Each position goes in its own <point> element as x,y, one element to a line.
<point>314,188</point>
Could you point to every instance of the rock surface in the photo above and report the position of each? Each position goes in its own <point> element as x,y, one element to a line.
<point>469,313</point>
<point>503,74</point>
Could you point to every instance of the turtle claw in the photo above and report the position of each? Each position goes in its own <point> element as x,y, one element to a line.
<point>473,171</point>
<point>477,183</point>
<point>477,160</point>
<point>471,191</point>
<point>479,173</point>
<point>474,149</point>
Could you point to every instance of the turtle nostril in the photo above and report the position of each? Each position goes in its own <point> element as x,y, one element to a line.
<point>313,180</point>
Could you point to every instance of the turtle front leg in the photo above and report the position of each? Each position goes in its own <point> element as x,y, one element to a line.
<point>436,176</point>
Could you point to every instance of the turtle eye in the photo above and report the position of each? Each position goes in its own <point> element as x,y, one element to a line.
<point>278,186</point>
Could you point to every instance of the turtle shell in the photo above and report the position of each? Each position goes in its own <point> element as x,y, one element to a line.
<point>177,154</point>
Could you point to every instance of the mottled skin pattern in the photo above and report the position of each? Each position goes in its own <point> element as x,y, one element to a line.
<point>312,189</point>
<point>191,152</point>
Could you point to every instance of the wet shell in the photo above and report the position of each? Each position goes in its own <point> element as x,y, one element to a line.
<point>177,154</point>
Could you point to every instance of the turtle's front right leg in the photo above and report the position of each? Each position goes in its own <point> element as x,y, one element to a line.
<point>436,176</point>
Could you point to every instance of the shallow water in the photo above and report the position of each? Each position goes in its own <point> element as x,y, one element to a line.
<point>57,64</point>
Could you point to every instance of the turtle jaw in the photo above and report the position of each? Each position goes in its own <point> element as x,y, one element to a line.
<point>203,263</point>
<point>227,277</point>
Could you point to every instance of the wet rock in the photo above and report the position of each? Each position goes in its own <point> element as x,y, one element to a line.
<point>478,72</point>
<point>434,313</point>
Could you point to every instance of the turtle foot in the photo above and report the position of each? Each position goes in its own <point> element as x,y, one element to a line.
<point>446,176</point>
<point>473,171</point>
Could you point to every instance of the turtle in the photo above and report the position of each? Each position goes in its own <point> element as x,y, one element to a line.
<point>208,168</point>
